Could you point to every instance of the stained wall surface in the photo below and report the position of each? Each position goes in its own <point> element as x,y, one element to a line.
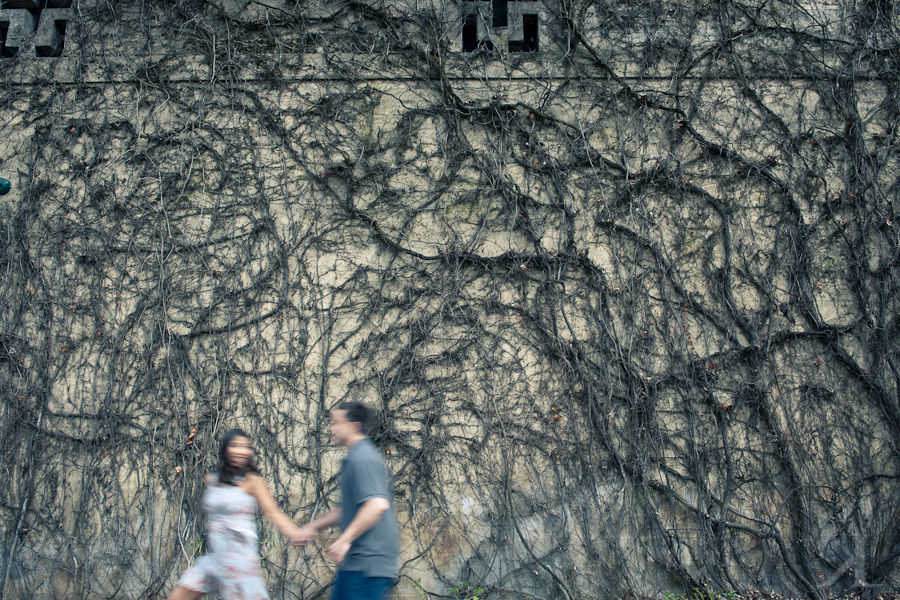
<point>620,280</point>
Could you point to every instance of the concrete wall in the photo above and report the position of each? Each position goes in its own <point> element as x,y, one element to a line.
<point>627,306</point>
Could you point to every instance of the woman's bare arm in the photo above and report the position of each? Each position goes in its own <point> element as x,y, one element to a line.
<point>256,486</point>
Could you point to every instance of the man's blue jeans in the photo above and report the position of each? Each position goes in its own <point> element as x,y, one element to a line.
<point>354,585</point>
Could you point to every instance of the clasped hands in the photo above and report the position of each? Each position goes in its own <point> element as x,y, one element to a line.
<point>336,551</point>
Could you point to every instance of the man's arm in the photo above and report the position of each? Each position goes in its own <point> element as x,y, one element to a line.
<point>309,531</point>
<point>368,514</point>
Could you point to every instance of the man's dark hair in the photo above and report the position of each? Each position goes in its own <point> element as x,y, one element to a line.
<point>357,412</point>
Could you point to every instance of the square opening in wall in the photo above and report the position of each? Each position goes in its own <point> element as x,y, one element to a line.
<point>529,33</point>
<point>529,41</point>
<point>4,51</point>
<point>499,13</point>
<point>470,33</point>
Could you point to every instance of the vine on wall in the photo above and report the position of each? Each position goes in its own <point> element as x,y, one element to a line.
<point>627,307</point>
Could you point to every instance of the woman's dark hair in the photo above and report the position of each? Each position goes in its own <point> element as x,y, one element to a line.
<point>227,472</point>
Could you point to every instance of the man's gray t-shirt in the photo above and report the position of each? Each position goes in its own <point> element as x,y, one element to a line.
<point>363,477</point>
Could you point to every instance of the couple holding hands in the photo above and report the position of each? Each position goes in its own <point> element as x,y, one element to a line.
<point>366,551</point>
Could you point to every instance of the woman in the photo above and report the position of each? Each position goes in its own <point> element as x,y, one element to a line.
<point>231,569</point>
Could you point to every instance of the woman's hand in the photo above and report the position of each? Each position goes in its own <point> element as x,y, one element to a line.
<point>303,536</point>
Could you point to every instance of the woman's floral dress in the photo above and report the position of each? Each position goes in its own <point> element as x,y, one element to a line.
<point>231,568</point>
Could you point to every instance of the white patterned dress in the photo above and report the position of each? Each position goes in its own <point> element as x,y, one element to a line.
<point>231,568</point>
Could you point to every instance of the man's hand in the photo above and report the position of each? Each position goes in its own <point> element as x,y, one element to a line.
<point>338,550</point>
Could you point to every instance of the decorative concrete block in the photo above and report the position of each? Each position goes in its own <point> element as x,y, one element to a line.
<point>509,23</point>
<point>19,26</point>
<point>24,33</point>
<point>50,34</point>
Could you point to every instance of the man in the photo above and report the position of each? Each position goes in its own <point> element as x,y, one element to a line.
<point>367,550</point>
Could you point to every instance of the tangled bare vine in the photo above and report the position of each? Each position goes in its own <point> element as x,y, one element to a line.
<point>628,306</point>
